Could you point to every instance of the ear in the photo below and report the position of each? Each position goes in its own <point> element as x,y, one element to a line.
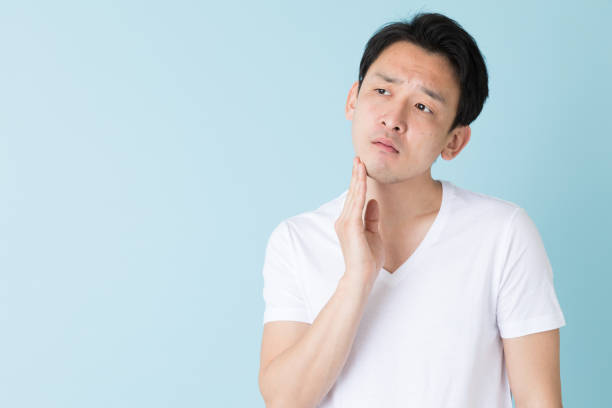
<point>458,138</point>
<point>351,101</point>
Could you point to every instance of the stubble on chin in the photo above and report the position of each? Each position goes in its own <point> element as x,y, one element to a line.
<point>381,173</point>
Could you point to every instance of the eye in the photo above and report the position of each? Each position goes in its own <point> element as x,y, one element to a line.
<point>419,107</point>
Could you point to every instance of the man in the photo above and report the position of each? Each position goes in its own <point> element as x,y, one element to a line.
<point>404,290</point>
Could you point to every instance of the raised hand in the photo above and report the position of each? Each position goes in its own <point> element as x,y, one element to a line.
<point>359,235</point>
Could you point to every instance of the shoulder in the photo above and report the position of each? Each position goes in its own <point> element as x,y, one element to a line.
<point>476,204</point>
<point>486,215</point>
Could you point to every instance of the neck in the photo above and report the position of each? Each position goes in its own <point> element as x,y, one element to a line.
<point>403,203</point>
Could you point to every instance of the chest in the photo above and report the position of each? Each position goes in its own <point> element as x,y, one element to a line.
<point>400,245</point>
<point>435,330</point>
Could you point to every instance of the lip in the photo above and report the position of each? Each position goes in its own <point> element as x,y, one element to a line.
<point>386,144</point>
<point>385,147</point>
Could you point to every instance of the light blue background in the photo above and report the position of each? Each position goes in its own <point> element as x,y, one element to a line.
<point>148,149</point>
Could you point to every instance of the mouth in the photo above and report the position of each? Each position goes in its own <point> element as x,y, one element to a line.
<point>385,147</point>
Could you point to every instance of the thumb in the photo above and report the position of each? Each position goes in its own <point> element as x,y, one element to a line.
<point>372,216</point>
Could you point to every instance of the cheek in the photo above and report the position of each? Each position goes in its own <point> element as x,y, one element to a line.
<point>426,145</point>
<point>361,124</point>
<point>371,108</point>
<point>366,110</point>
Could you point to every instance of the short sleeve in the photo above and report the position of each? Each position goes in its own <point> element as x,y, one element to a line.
<point>282,292</point>
<point>526,302</point>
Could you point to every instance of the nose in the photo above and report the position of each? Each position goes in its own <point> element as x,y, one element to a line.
<point>395,121</point>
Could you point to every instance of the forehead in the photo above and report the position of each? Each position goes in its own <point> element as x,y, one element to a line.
<point>412,63</point>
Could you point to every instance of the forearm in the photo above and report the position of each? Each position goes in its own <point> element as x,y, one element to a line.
<point>302,375</point>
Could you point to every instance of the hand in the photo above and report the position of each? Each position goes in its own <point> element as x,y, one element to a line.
<point>361,242</point>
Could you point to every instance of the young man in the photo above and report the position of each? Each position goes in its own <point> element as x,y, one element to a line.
<point>404,290</point>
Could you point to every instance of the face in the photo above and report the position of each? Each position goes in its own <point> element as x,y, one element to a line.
<point>410,97</point>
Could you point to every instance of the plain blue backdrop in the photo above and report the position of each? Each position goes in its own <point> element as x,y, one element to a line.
<point>148,149</point>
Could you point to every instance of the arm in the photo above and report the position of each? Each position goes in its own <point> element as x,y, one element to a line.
<point>532,363</point>
<point>301,375</point>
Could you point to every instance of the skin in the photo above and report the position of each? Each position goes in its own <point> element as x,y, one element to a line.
<point>401,183</point>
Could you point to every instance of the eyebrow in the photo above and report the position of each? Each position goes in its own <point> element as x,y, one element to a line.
<point>433,94</point>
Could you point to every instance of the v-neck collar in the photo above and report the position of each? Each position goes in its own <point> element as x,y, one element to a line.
<point>432,234</point>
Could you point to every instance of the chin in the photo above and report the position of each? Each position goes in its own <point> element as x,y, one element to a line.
<point>382,175</point>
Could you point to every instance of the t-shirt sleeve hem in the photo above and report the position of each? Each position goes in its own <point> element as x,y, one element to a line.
<point>529,326</point>
<point>298,315</point>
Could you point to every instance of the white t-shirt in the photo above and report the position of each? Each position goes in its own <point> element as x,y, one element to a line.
<point>431,331</point>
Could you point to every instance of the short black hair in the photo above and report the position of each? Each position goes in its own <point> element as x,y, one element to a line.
<point>438,34</point>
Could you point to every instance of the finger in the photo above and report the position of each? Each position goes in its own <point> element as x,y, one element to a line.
<point>353,177</point>
<point>360,191</point>
<point>352,209</point>
<point>349,196</point>
<point>372,216</point>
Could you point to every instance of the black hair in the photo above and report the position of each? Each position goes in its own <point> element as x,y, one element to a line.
<point>438,34</point>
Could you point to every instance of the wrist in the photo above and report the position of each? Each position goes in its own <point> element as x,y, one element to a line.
<point>355,285</point>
